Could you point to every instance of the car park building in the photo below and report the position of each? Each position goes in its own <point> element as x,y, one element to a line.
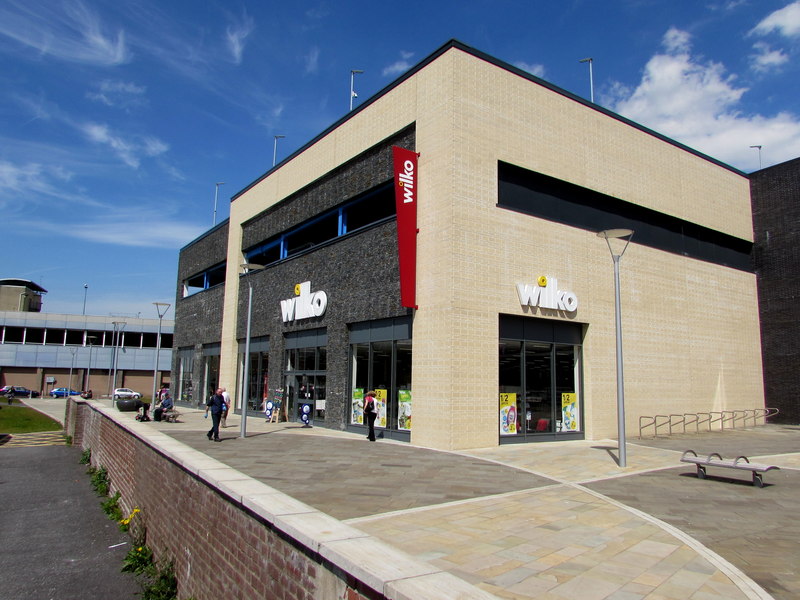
<point>503,328</point>
<point>43,351</point>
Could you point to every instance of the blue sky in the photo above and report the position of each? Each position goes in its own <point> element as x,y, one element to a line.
<point>118,118</point>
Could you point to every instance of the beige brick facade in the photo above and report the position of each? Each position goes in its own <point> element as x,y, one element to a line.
<point>690,328</point>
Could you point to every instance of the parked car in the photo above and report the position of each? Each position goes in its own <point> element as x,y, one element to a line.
<point>126,393</point>
<point>62,392</point>
<point>19,391</point>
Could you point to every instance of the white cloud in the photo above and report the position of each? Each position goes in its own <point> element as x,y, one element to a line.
<point>532,68</point>
<point>312,60</point>
<point>119,94</point>
<point>727,5</point>
<point>70,31</point>
<point>34,181</point>
<point>114,226</point>
<point>400,66</point>
<point>698,104</point>
<point>785,21</point>
<point>128,150</point>
<point>765,58</point>
<point>153,146</point>
<point>237,34</point>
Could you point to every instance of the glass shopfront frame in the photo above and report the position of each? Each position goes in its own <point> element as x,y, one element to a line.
<point>305,375</point>
<point>540,380</point>
<point>258,374</point>
<point>380,360</point>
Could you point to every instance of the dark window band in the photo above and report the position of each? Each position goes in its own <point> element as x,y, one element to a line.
<point>555,200</point>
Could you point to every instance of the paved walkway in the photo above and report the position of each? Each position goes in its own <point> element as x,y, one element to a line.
<point>549,521</point>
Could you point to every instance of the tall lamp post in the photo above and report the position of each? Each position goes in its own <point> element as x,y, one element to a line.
<point>118,327</point>
<point>88,384</point>
<point>759,155</point>
<point>624,234</point>
<point>352,90</point>
<point>216,195</point>
<point>247,268</point>
<point>275,148</point>
<point>85,291</point>
<point>591,76</point>
<point>112,368</point>
<point>72,351</point>
<point>161,309</point>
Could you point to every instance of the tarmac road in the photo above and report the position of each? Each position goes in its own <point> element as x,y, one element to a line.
<point>56,541</point>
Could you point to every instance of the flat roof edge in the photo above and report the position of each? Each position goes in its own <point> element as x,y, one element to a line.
<point>456,44</point>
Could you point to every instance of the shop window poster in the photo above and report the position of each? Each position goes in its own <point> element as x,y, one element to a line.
<point>404,410</point>
<point>569,411</point>
<point>508,414</point>
<point>380,403</point>
<point>358,406</point>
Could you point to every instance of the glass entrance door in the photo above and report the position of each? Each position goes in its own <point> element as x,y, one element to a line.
<point>539,390</point>
<point>539,400</point>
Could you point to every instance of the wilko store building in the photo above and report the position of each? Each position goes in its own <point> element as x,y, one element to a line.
<point>439,245</point>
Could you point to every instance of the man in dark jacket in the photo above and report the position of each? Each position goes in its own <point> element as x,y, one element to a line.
<point>214,405</point>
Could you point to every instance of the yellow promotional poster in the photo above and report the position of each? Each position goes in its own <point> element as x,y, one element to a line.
<point>357,404</point>
<point>404,409</point>
<point>382,397</point>
<point>508,414</point>
<point>569,411</point>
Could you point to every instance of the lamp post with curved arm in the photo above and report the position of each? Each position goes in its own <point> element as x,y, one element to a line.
<point>247,268</point>
<point>161,309</point>
<point>624,234</point>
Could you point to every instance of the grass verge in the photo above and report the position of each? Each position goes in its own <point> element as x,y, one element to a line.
<point>21,419</point>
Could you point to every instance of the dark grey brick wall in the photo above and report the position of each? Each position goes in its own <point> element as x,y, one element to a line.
<point>358,272</point>
<point>776,221</point>
<point>200,315</point>
<point>372,167</point>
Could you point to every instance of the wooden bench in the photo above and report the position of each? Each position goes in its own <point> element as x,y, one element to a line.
<point>741,463</point>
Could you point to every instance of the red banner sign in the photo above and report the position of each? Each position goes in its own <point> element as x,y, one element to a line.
<point>406,188</point>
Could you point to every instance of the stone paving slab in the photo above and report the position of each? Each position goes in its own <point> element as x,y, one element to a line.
<point>553,521</point>
<point>756,529</point>
<point>349,477</point>
<point>559,542</point>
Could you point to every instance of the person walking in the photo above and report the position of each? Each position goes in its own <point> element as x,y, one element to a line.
<point>370,412</point>
<point>227,399</point>
<point>214,406</point>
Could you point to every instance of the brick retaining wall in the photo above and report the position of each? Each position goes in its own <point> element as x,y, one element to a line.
<point>231,536</point>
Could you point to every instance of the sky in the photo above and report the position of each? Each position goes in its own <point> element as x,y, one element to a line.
<point>119,118</point>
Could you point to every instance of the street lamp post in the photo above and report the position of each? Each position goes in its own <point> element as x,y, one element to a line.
<point>591,76</point>
<point>216,195</point>
<point>352,90</point>
<point>71,367</point>
<point>85,290</point>
<point>111,364</point>
<point>275,148</point>
<point>118,327</point>
<point>758,147</point>
<point>87,385</point>
<point>608,235</point>
<point>248,268</point>
<point>161,309</point>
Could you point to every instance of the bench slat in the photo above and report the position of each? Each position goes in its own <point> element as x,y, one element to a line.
<point>715,460</point>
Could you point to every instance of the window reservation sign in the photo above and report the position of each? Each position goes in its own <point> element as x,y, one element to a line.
<point>406,188</point>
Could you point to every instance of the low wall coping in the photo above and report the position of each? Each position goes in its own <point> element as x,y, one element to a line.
<point>382,567</point>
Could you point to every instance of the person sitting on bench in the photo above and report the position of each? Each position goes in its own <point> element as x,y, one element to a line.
<point>165,408</point>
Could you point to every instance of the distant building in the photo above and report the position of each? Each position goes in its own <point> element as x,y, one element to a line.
<point>21,295</point>
<point>776,222</point>
<point>42,351</point>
